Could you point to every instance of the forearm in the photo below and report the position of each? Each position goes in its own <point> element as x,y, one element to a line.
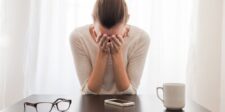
<point>96,78</point>
<point>121,77</point>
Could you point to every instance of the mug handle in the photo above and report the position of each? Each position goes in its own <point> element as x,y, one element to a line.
<point>157,92</point>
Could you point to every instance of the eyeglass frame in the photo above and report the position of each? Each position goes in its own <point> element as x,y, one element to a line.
<point>55,103</point>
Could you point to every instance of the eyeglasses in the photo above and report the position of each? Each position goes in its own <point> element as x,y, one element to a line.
<point>61,104</point>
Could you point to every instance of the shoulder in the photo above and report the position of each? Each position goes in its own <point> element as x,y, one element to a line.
<point>139,35</point>
<point>78,33</point>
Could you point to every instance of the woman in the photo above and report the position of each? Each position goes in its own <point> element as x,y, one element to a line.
<point>109,55</point>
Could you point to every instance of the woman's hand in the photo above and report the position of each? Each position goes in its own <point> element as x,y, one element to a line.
<point>116,43</point>
<point>121,77</point>
<point>97,75</point>
<point>102,40</point>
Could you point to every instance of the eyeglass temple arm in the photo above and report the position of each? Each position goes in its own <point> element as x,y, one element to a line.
<point>60,99</point>
<point>30,104</point>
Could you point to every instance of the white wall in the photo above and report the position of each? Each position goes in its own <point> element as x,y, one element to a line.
<point>16,24</point>
<point>222,105</point>
<point>204,72</point>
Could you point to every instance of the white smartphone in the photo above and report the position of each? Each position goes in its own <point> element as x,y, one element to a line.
<point>119,102</point>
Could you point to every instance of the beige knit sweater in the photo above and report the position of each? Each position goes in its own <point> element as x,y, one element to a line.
<point>84,51</point>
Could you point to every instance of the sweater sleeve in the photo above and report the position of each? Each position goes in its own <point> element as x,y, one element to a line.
<point>129,90</point>
<point>81,60</point>
<point>86,90</point>
<point>136,60</point>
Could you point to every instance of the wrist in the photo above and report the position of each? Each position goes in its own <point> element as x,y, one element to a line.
<point>102,54</point>
<point>117,55</point>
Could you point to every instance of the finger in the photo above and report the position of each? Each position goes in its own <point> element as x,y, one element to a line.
<point>114,45</point>
<point>120,38</point>
<point>105,45</point>
<point>111,45</point>
<point>115,40</point>
<point>103,39</point>
<point>98,37</point>
<point>108,43</point>
<point>95,34</point>
<point>100,41</point>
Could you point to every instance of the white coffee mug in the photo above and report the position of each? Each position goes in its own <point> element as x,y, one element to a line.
<point>173,95</point>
